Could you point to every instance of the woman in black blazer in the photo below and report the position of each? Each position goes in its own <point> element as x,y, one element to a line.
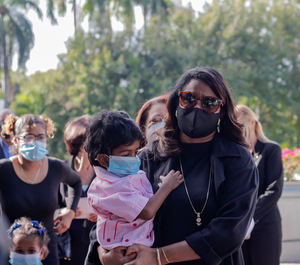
<point>264,245</point>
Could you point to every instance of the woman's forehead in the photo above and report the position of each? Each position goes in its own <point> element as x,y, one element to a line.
<point>199,87</point>
<point>33,128</point>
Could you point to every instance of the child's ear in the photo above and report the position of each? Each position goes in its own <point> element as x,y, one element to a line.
<point>103,160</point>
<point>43,253</point>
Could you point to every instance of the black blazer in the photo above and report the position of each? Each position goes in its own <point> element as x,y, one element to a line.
<point>235,180</point>
<point>269,163</point>
<point>235,183</point>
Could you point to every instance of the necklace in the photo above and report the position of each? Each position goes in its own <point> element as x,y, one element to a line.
<point>257,157</point>
<point>198,214</point>
<point>31,180</point>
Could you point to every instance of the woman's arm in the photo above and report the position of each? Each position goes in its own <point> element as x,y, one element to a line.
<point>177,252</point>
<point>116,256</point>
<point>237,197</point>
<point>73,182</point>
<point>69,177</point>
<point>273,177</point>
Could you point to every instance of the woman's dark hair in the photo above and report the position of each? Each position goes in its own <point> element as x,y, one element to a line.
<point>108,130</point>
<point>169,142</point>
<point>143,113</point>
<point>75,134</point>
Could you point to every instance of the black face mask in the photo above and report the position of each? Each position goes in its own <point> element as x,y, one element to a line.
<point>196,123</point>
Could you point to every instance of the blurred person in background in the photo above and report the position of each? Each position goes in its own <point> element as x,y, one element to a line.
<point>151,117</point>
<point>264,245</point>
<point>5,139</point>
<point>30,180</point>
<point>4,244</point>
<point>74,138</point>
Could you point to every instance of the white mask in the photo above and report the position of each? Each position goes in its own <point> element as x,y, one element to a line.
<point>154,127</point>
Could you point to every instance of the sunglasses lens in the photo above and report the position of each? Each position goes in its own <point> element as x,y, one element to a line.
<point>210,104</point>
<point>187,100</point>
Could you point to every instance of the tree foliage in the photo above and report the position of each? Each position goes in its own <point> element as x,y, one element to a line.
<point>16,38</point>
<point>254,44</point>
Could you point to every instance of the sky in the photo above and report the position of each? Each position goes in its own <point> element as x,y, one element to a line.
<point>50,39</point>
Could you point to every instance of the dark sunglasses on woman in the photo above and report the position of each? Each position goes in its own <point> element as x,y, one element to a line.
<point>189,99</point>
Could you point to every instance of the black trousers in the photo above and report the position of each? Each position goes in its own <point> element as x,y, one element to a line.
<point>52,258</point>
<point>92,257</point>
<point>264,246</point>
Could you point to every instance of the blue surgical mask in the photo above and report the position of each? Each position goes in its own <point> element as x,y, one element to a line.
<point>21,259</point>
<point>33,151</point>
<point>124,166</point>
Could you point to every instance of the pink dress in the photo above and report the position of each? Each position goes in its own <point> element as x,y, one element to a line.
<point>117,202</point>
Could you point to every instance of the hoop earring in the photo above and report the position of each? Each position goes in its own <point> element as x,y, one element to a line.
<point>218,126</point>
<point>80,162</point>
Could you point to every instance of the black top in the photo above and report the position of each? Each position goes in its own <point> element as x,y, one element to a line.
<point>36,201</point>
<point>196,167</point>
<point>230,206</point>
<point>269,163</point>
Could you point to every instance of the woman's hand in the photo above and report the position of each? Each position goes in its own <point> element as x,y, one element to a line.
<point>78,212</point>
<point>144,255</point>
<point>116,256</point>
<point>63,221</point>
<point>93,217</point>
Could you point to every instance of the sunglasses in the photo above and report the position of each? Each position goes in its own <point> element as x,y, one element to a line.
<point>209,104</point>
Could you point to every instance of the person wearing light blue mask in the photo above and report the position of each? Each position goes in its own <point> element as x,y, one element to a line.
<point>29,242</point>
<point>30,179</point>
<point>121,194</point>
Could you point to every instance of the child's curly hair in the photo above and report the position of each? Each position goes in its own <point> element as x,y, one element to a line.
<point>13,125</point>
<point>25,226</point>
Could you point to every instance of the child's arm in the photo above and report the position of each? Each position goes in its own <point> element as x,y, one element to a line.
<point>169,183</point>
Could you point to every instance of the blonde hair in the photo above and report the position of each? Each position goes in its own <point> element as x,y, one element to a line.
<point>246,115</point>
<point>25,226</point>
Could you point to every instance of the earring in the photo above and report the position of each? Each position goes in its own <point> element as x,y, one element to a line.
<point>218,126</point>
<point>176,113</point>
<point>80,163</point>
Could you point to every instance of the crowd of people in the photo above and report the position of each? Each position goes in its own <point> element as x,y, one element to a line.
<point>193,180</point>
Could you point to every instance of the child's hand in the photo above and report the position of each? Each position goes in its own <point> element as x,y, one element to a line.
<point>172,180</point>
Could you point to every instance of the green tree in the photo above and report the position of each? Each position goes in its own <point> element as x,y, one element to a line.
<point>16,37</point>
<point>254,47</point>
